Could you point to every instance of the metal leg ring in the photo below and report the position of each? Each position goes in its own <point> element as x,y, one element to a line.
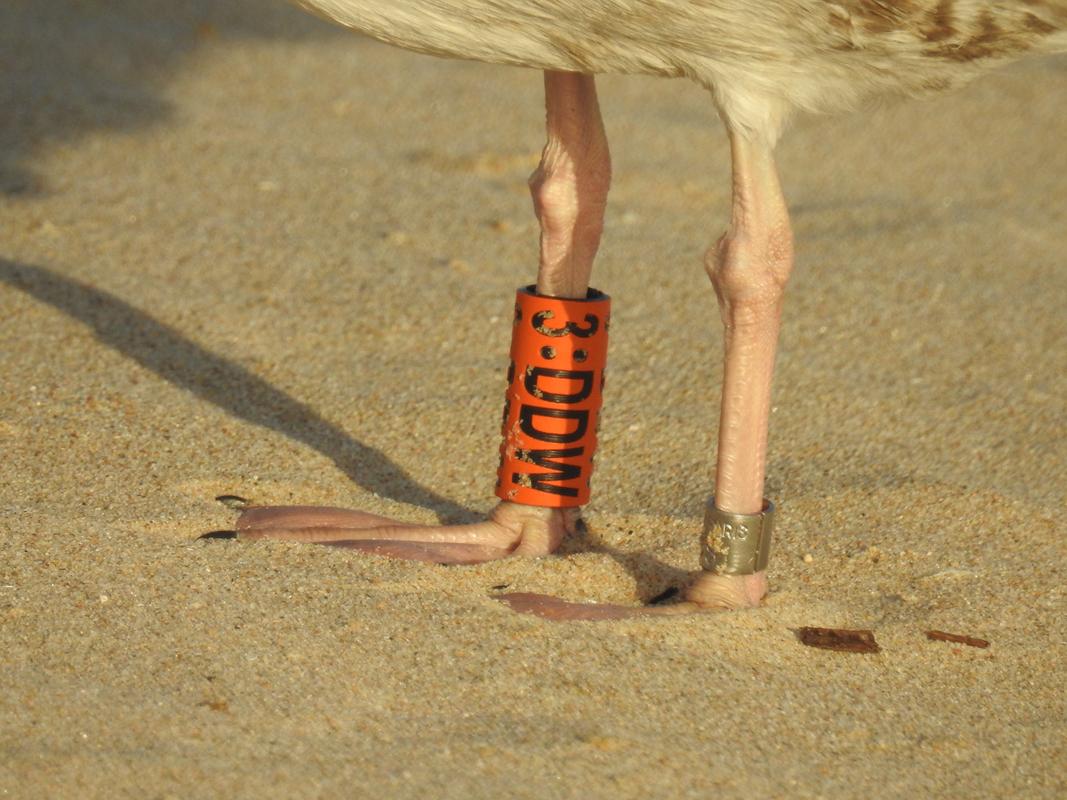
<point>736,544</point>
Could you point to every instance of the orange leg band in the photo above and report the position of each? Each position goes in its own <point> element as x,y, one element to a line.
<point>555,388</point>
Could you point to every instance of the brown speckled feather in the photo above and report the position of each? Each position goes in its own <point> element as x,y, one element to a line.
<point>951,30</point>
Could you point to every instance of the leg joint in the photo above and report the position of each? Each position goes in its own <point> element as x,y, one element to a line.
<point>751,271</point>
<point>567,192</point>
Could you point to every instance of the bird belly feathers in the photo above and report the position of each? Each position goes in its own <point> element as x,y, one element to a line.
<point>761,59</point>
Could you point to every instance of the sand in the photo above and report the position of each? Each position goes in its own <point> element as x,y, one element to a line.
<point>245,252</point>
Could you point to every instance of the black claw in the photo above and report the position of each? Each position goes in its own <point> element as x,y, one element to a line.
<point>233,501</point>
<point>667,594</point>
<point>218,535</point>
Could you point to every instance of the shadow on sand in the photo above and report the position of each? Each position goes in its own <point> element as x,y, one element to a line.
<point>222,383</point>
<point>72,67</point>
<point>234,389</point>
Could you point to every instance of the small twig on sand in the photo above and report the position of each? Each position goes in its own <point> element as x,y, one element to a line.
<point>958,638</point>
<point>840,639</point>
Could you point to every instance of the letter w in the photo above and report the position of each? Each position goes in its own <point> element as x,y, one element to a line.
<point>564,472</point>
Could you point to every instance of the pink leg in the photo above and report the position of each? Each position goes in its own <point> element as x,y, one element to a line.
<point>569,190</point>
<point>749,268</point>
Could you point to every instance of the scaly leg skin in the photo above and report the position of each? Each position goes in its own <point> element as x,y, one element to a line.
<point>749,268</point>
<point>569,189</point>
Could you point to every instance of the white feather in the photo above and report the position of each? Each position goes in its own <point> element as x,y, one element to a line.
<point>762,60</point>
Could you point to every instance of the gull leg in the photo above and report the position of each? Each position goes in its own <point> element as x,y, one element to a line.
<point>569,191</point>
<point>749,268</point>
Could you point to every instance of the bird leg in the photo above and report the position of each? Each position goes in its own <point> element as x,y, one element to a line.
<point>749,267</point>
<point>569,191</point>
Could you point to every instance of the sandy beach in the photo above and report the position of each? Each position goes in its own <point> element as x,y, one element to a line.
<point>245,252</point>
